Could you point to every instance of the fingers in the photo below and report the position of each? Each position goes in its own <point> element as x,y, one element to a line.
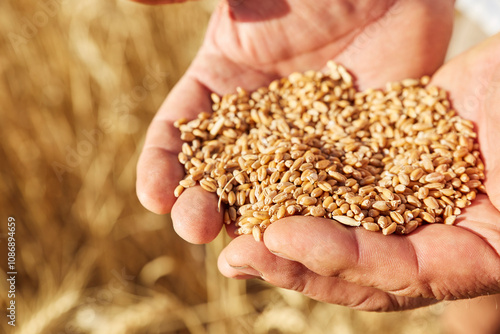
<point>410,40</point>
<point>472,77</point>
<point>482,219</point>
<point>473,80</point>
<point>246,258</point>
<point>158,170</point>
<point>195,216</point>
<point>436,261</point>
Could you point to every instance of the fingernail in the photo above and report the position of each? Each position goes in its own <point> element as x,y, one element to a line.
<point>281,255</point>
<point>247,270</point>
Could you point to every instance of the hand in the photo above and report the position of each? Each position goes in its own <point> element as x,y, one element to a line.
<point>251,42</point>
<point>369,271</point>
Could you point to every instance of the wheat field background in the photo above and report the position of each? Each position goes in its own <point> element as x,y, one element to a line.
<point>79,84</point>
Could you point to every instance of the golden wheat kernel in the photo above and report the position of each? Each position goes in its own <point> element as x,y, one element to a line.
<point>257,233</point>
<point>398,206</point>
<point>307,201</point>
<point>317,192</point>
<point>262,215</point>
<point>404,179</point>
<point>386,194</point>
<point>240,198</point>
<point>289,189</point>
<point>435,185</point>
<point>434,177</point>
<point>292,210</point>
<point>423,193</point>
<point>247,212</point>
<point>366,203</point>
<point>209,185</point>
<point>400,188</point>
<point>367,180</point>
<point>324,186</point>
<point>182,157</point>
<point>332,207</point>
<point>231,198</point>
<point>355,209</point>
<point>427,217</point>
<point>226,218</point>
<point>450,220</point>
<point>327,201</point>
<point>361,215</point>
<point>348,169</point>
<point>178,190</point>
<point>464,178</point>
<point>356,200</point>
<point>470,158</point>
<point>322,164</point>
<point>380,206</point>
<point>370,226</point>
<point>274,178</point>
<point>447,192</point>
<point>308,187</point>
<point>305,166</point>
<point>396,217</point>
<point>265,224</point>
<point>346,220</point>
<point>471,196</point>
<point>481,189</point>
<point>431,203</point>
<point>427,165</point>
<point>444,200</point>
<point>250,221</point>
<point>344,208</point>
<point>342,190</point>
<point>232,213</point>
<point>253,177</point>
<point>317,211</point>
<point>382,221</point>
<point>460,170</point>
<point>456,183</point>
<point>407,216</point>
<point>389,229</point>
<point>411,226</point>
<point>373,213</point>
<point>337,176</point>
<point>461,203</point>
<point>281,212</point>
<point>401,229</point>
<point>281,197</point>
<point>312,177</point>
<point>187,183</point>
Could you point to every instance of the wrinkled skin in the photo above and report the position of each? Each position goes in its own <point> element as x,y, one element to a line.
<point>250,43</point>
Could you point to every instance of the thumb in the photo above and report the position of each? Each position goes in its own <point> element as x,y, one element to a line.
<point>473,80</point>
<point>488,127</point>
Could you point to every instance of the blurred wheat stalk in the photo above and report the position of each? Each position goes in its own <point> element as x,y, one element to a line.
<point>79,83</point>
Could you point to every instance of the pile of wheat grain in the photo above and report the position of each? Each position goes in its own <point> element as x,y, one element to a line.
<point>311,144</point>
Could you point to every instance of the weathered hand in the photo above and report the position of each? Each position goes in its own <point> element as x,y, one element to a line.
<point>369,271</point>
<point>251,42</point>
